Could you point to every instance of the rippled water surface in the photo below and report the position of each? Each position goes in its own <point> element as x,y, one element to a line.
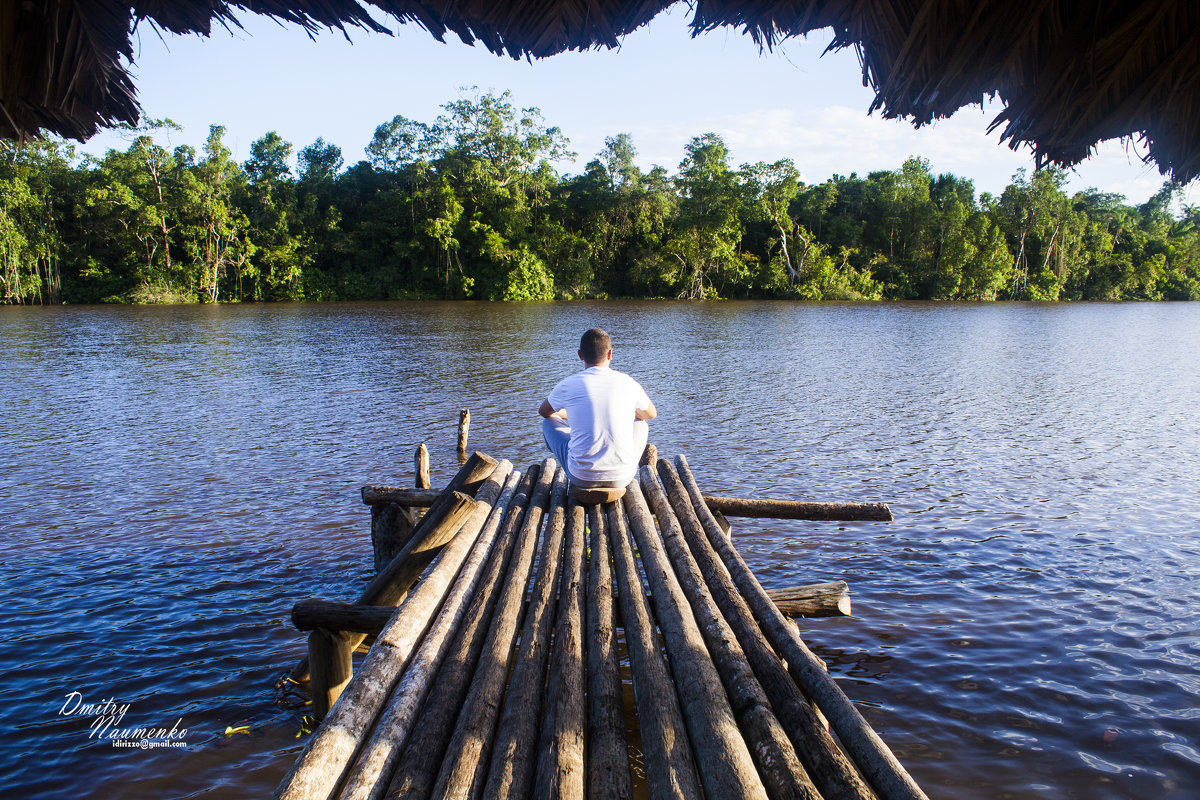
<point>173,479</point>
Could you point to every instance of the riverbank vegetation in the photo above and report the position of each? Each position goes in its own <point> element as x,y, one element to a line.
<point>469,206</point>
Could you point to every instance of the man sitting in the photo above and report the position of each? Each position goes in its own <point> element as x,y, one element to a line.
<point>595,420</point>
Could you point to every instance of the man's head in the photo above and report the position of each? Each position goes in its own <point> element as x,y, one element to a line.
<point>595,348</point>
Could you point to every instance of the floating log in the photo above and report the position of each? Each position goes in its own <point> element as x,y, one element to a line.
<point>560,764</point>
<point>417,769</point>
<point>795,509</point>
<point>372,770</point>
<point>813,600</point>
<point>670,771</point>
<point>329,653</point>
<point>878,764</point>
<point>832,773</point>
<point>326,756</point>
<point>464,427</point>
<point>464,770</point>
<point>722,756</point>
<point>719,505</point>
<point>769,745</point>
<point>421,467</point>
<point>608,759</point>
<point>514,755</point>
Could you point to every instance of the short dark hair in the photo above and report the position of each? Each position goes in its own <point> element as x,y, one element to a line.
<point>594,346</point>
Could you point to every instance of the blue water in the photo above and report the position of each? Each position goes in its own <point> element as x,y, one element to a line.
<point>173,479</point>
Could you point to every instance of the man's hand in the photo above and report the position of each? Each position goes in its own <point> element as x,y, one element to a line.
<point>649,412</point>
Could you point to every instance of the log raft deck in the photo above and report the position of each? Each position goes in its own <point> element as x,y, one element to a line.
<point>500,616</point>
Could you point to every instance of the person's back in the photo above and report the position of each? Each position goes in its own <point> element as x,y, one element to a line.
<point>595,420</point>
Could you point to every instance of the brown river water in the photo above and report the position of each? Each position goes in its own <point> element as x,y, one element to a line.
<point>173,479</point>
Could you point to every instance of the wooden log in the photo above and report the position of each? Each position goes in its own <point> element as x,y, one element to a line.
<point>560,764</point>
<point>314,613</point>
<point>464,427</point>
<point>813,600</point>
<point>421,467</point>
<point>391,527</point>
<point>373,495</point>
<point>326,756</point>
<point>608,759</point>
<point>390,586</point>
<point>329,652</point>
<point>795,509</point>
<point>831,772</point>
<point>772,751</point>
<point>514,756</point>
<point>597,495</point>
<point>417,770</point>
<point>649,456</point>
<point>871,755</point>
<point>369,777</point>
<point>722,758</point>
<point>464,769</point>
<point>670,771</point>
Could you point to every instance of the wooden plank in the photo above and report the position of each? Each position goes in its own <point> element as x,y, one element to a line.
<point>722,757</point>
<point>832,773</point>
<point>560,765</point>
<point>770,748</point>
<point>417,771</point>
<point>871,755</point>
<point>670,771</point>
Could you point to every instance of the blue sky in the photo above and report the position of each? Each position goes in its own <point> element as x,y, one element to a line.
<point>661,86</point>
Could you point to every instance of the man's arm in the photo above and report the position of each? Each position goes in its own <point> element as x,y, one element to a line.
<point>547,410</point>
<point>649,412</point>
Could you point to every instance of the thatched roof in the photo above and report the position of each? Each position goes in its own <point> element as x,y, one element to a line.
<point>1069,73</point>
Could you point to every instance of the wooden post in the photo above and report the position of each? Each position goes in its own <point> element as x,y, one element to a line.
<point>421,463</point>
<point>608,758</point>
<point>794,509</point>
<point>464,769</point>
<point>514,756</point>
<point>870,754</point>
<point>722,757</point>
<point>391,528</point>
<point>464,427</point>
<point>649,456</point>
<point>372,770</point>
<point>670,772</point>
<point>417,770</point>
<point>329,652</point>
<point>327,754</point>
<point>829,769</point>
<point>769,745</point>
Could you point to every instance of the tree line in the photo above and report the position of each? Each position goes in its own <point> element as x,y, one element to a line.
<point>469,206</point>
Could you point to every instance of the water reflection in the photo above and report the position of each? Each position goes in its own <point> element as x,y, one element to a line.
<point>175,478</point>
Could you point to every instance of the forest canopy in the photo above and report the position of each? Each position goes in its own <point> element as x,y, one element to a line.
<point>469,206</point>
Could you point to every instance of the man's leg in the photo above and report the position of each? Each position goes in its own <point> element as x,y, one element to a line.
<point>641,435</point>
<point>557,435</point>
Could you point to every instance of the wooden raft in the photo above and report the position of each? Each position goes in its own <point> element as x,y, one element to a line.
<point>499,674</point>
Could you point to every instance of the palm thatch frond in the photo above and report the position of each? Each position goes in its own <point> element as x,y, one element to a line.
<point>1070,73</point>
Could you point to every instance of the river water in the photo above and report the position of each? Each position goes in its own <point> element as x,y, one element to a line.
<point>173,479</point>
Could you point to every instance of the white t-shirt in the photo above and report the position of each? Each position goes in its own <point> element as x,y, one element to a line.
<point>600,404</point>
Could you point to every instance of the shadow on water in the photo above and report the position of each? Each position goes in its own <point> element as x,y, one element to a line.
<point>175,478</point>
